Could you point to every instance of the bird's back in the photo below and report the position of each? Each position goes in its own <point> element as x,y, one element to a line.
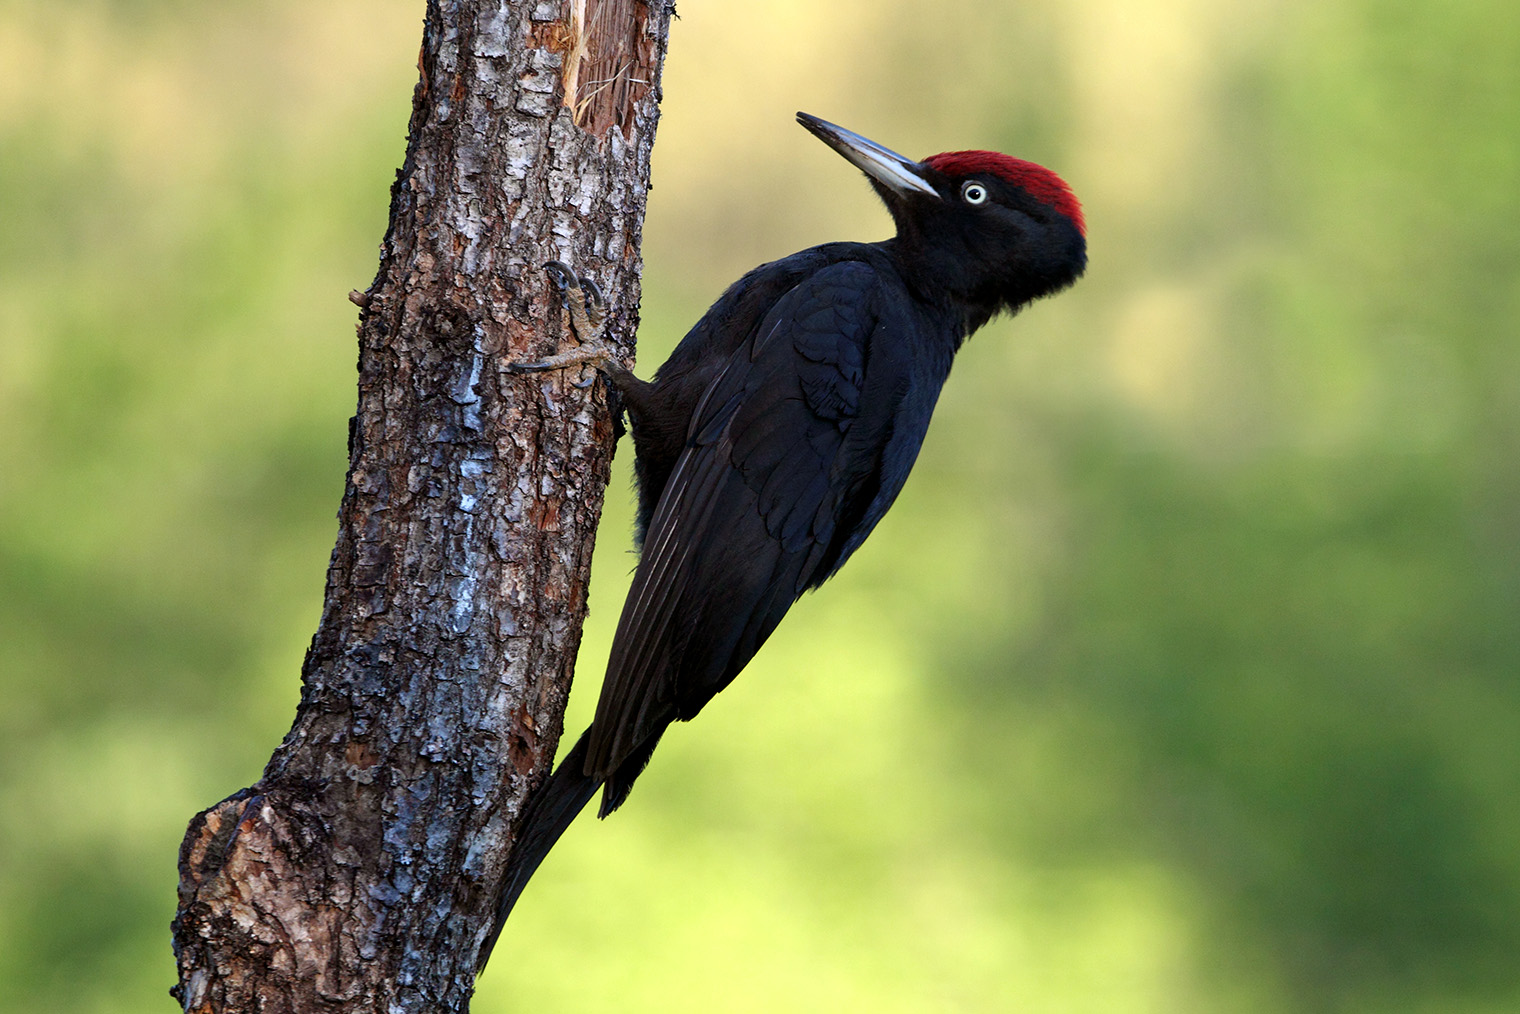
<point>810,386</point>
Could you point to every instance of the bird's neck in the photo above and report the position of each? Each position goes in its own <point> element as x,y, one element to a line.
<point>942,287</point>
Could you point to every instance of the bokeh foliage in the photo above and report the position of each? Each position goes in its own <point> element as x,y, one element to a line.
<point>1182,678</point>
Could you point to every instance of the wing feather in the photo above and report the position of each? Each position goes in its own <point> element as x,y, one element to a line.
<point>781,449</point>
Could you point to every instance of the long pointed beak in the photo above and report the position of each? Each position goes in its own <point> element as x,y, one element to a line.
<point>902,176</point>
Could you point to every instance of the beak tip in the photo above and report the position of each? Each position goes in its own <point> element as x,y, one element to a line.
<point>893,171</point>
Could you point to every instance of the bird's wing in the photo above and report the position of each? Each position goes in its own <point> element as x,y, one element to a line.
<point>783,450</point>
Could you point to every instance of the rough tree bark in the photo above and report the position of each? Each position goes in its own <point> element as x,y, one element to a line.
<point>359,874</point>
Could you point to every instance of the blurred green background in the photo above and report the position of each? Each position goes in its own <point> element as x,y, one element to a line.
<point>1182,678</point>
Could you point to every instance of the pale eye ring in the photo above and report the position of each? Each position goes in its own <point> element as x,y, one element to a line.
<point>973,192</point>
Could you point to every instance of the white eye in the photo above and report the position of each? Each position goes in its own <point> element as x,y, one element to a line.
<point>973,192</point>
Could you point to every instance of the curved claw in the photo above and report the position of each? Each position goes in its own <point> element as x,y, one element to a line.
<point>594,291</point>
<point>560,273</point>
<point>586,378</point>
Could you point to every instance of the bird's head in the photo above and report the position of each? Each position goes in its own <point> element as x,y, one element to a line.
<point>976,227</point>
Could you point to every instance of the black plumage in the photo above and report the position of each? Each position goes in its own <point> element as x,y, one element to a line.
<point>780,431</point>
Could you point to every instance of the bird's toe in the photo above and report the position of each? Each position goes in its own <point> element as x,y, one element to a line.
<point>561,274</point>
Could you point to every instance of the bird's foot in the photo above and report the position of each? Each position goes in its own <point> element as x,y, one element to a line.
<point>586,307</point>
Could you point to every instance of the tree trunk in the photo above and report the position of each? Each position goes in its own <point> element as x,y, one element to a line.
<point>360,873</point>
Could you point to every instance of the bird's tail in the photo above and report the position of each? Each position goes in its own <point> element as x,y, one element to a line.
<point>551,810</point>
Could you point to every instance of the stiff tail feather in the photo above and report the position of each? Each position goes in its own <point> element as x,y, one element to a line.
<point>551,810</point>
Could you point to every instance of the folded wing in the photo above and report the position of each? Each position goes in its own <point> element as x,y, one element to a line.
<point>788,459</point>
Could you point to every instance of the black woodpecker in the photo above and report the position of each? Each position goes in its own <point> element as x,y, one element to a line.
<point>780,431</point>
